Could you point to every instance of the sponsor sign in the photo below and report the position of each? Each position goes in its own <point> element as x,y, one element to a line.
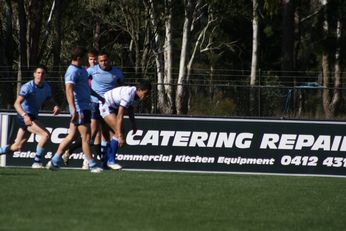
<point>213,144</point>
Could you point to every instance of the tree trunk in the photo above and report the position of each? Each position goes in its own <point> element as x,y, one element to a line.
<point>58,90</point>
<point>254,57</point>
<point>338,73</point>
<point>163,60</point>
<point>287,45</point>
<point>168,59</point>
<point>7,97</point>
<point>47,32</point>
<point>180,99</point>
<point>35,31</point>
<point>22,30</point>
<point>325,65</point>
<point>97,32</point>
<point>254,43</point>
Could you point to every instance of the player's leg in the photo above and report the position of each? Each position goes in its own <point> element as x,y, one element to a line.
<point>113,144</point>
<point>84,132</point>
<point>105,143</point>
<point>38,129</point>
<point>21,138</point>
<point>55,161</point>
<point>95,127</point>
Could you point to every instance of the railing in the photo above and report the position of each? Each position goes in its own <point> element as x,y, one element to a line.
<point>291,95</point>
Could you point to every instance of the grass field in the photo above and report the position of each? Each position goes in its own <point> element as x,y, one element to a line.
<point>78,200</point>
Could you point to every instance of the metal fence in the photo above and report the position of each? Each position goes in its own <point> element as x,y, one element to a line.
<point>219,92</point>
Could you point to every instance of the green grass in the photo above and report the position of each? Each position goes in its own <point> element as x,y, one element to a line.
<point>78,200</point>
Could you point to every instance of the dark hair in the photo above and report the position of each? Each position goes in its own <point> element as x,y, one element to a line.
<point>92,52</point>
<point>102,53</point>
<point>144,85</point>
<point>77,52</point>
<point>41,66</point>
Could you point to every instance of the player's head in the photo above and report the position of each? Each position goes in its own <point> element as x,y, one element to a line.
<point>92,57</point>
<point>77,55</point>
<point>103,60</point>
<point>143,89</point>
<point>40,74</point>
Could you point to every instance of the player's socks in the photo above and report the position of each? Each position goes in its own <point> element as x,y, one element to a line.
<point>113,150</point>
<point>4,150</point>
<point>96,150</point>
<point>39,154</point>
<point>75,145</point>
<point>91,163</point>
<point>56,159</point>
<point>104,152</point>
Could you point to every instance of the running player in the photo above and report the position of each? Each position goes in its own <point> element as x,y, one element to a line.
<point>31,97</point>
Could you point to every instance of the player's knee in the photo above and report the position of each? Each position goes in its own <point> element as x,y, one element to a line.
<point>45,136</point>
<point>15,147</point>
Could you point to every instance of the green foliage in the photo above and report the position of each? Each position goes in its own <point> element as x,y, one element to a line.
<point>273,97</point>
<point>219,105</point>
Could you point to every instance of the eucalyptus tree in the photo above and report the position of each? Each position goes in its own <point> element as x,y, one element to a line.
<point>331,56</point>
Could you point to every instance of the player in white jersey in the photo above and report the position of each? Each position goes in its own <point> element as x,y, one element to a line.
<point>112,111</point>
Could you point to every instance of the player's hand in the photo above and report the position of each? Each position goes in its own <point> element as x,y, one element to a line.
<point>134,129</point>
<point>74,116</point>
<point>27,120</point>
<point>56,110</point>
<point>121,141</point>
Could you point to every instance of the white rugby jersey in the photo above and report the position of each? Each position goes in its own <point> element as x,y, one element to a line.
<point>120,96</point>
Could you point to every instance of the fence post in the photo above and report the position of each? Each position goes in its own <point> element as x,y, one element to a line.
<point>259,92</point>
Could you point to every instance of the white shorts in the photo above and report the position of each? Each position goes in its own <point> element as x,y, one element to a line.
<point>106,110</point>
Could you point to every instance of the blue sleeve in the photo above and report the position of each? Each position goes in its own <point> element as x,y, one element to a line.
<point>90,71</point>
<point>24,90</point>
<point>70,77</point>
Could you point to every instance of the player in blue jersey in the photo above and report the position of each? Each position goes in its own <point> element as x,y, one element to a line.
<point>92,61</point>
<point>104,78</point>
<point>78,98</point>
<point>112,111</point>
<point>31,97</point>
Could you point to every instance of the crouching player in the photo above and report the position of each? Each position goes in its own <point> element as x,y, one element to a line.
<point>112,111</point>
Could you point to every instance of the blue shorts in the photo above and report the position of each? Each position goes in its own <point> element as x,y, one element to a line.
<point>86,118</point>
<point>21,122</point>
<point>95,111</point>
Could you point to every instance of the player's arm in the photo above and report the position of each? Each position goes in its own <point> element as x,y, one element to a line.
<point>131,115</point>
<point>17,105</point>
<point>56,108</point>
<point>94,93</point>
<point>118,133</point>
<point>70,99</point>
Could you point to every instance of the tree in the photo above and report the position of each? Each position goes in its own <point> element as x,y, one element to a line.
<point>163,53</point>
<point>7,51</point>
<point>254,56</point>
<point>330,99</point>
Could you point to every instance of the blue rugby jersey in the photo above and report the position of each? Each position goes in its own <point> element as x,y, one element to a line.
<point>78,76</point>
<point>34,96</point>
<point>103,81</point>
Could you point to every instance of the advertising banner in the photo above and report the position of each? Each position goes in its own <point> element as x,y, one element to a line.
<point>213,145</point>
